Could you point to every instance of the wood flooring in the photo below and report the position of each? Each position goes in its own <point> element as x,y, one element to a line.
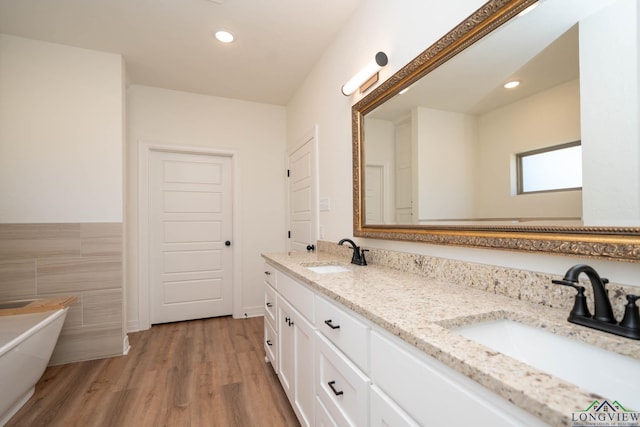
<point>200,373</point>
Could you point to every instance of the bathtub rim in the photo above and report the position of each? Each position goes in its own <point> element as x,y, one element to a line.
<point>48,317</point>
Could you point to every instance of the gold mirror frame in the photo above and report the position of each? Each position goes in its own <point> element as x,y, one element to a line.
<point>613,243</point>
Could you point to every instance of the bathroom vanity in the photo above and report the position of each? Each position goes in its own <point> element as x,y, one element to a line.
<point>376,346</point>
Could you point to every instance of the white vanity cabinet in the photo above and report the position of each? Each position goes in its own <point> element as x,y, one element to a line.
<point>339,369</point>
<point>431,393</point>
<point>340,385</point>
<point>385,412</point>
<point>270,313</point>
<point>271,326</point>
<point>295,346</point>
<point>323,419</point>
<point>344,330</point>
<point>342,358</point>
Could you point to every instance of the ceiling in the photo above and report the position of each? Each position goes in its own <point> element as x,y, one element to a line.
<point>169,43</point>
<point>539,49</point>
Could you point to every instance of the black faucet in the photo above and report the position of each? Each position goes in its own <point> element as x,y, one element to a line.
<point>358,254</point>
<point>603,319</point>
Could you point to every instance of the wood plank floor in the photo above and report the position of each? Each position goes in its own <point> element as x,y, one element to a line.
<point>207,372</point>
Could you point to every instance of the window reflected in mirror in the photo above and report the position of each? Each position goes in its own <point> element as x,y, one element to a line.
<point>557,168</point>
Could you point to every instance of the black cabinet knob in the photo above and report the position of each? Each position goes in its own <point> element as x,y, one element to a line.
<point>227,243</point>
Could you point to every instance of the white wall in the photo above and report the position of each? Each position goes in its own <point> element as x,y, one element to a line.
<point>446,153</point>
<point>61,133</point>
<point>255,132</point>
<point>402,29</point>
<point>515,128</point>
<point>610,79</point>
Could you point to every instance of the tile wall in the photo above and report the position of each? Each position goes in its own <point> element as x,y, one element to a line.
<point>82,259</point>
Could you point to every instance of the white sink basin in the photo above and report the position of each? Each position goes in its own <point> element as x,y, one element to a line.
<point>324,269</point>
<point>606,373</point>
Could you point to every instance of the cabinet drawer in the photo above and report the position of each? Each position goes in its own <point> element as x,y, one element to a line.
<point>423,386</point>
<point>271,345</point>
<point>385,412</point>
<point>323,419</point>
<point>298,295</point>
<point>340,385</point>
<point>350,335</point>
<point>270,306</point>
<point>271,275</point>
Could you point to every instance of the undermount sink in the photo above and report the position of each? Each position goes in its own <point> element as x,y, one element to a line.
<point>324,269</point>
<point>600,371</point>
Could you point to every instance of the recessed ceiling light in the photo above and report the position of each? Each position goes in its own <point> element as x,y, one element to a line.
<point>511,85</point>
<point>224,36</point>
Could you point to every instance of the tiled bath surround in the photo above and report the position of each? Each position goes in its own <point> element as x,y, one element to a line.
<point>82,259</point>
<point>523,285</point>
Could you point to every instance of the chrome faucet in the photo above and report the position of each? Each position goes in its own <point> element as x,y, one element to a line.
<point>603,319</point>
<point>358,254</point>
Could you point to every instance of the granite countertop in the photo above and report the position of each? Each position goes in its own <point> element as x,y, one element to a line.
<point>420,311</point>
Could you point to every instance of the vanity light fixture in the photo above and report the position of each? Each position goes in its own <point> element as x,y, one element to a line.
<point>224,36</point>
<point>367,76</point>
<point>512,84</point>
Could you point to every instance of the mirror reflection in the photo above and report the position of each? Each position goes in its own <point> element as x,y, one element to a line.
<point>447,151</point>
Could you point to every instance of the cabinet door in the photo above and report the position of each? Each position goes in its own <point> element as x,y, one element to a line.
<point>323,419</point>
<point>385,413</point>
<point>303,356</point>
<point>285,347</point>
<point>296,360</point>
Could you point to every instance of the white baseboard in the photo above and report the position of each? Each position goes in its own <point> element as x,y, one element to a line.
<point>125,345</point>
<point>247,312</point>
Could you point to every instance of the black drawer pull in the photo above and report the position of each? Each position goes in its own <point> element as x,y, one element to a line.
<point>269,343</point>
<point>331,325</point>
<point>268,273</point>
<point>333,389</point>
<point>269,305</point>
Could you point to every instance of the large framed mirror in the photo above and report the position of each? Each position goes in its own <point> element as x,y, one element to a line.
<point>438,148</point>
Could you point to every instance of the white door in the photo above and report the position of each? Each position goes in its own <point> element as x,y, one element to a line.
<point>190,236</point>
<point>302,197</point>
<point>374,194</point>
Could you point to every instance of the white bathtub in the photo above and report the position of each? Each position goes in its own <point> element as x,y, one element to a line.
<point>26,344</point>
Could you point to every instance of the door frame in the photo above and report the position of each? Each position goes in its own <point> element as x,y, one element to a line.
<point>310,136</point>
<point>144,288</point>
